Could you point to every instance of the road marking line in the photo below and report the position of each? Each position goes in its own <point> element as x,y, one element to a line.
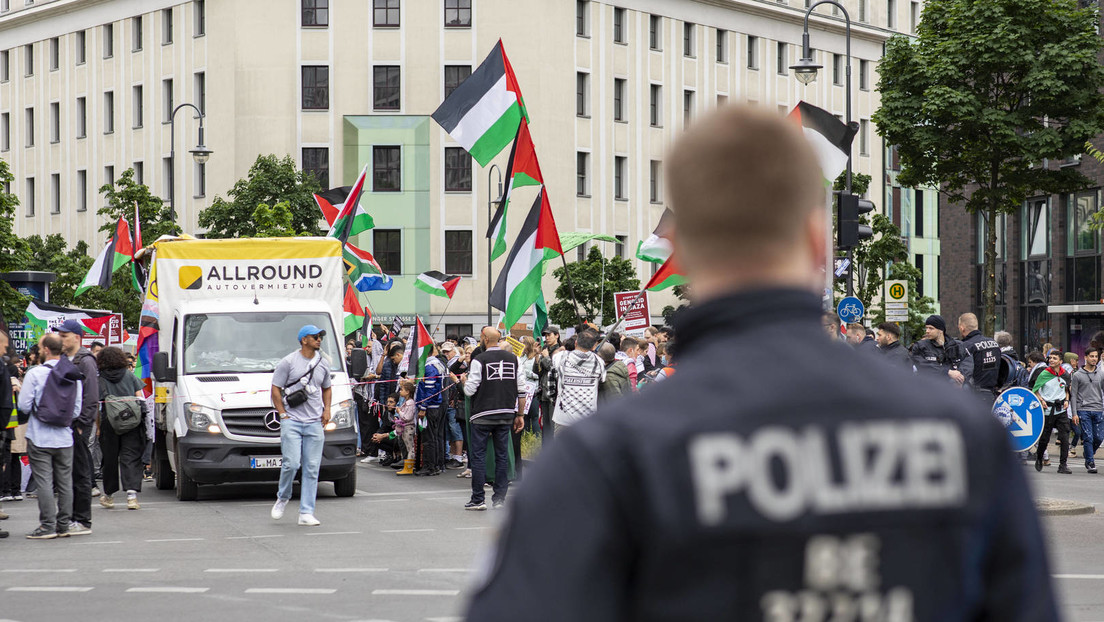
<point>49,589</point>
<point>334,533</point>
<point>350,569</point>
<point>271,535</point>
<point>27,570</point>
<point>415,592</point>
<point>98,542</point>
<point>237,570</point>
<point>464,570</point>
<point>131,570</point>
<point>406,530</point>
<point>289,590</point>
<point>408,492</point>
<point>444,619</point>
<point>469,528</point>
<point>178,540</point>
<point>168,590</point>
<point>1078,576</point>
<point>452,498</point>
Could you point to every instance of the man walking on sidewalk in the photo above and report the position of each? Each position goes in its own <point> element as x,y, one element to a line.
<point>1087,405</point>
<point>1052,389</point>
<point>71,332</point>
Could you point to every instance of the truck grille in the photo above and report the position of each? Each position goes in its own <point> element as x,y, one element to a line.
<point>248,422</point>
<point>217,378</point>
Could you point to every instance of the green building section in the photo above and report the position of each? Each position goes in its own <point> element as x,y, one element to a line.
<point>407,210</point>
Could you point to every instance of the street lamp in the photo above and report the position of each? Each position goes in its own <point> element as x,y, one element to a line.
<point>200,154</point>
<point>490,243</point>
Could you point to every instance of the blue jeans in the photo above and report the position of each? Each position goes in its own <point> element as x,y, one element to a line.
<point>1092,433</point>
<point>301,443</point>
<point>453,432</point>
<point>477,459</point>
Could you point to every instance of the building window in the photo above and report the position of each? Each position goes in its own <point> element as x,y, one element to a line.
<point>1036,229</point>
<point>621,246</point>
<point>385,13</point>
<point>722,100</point>
<point>316,161</point>
<point>458,171</point>
<point>79,52</point>
<point>620,184</point>
<point>55,193</point>
<point>200,91</point>
<point>688,40</point>
<point>454,76</point>
<point>891,14</point>
<point>655,32</point>
<point>166,26</point>
<point>4,6</point>
<point>864,75</point>
<point>687,107</point>
<point>387,249</point>
<point>914,16</point>
<point>139,173</point>
<point>29,199</point>
<point>862,10</point>
<point>199,16</point>
<point>722,46</point>
<point>82,117</point>
<point>385,87</point>
<point>109,112</point>
<point>752,52</point>
<point>108,40</point>
<point>167,100</point>
<point>82,191</point>
<point>109,174</point>
<point>581,94</point>
<point>655,170</point>
<point>387,169</point>
<point>136,34</point>
<point>316,87</point>
<point>918,213</point>
<point>457,13</point>
<point>618,25</point>
<point>28,60</point>
<point>4,66</point>
<point>55,122</point>
<point>458,330</point>
<point>5,131</point>
<point>837,69</point>
<point>582,25</point>
<point>29,113</point>
<point>200,180</point>
<point>54,53</point>
<point>618,99</point>
<point>1081,237</point>
<point>316,13</point>
<point>581,252</point>
<point>781,58</point>
<point>458,252</point>
<point>582,169</point>
<point>137,106</point>
<point>655,103</point>
<point>864,137</point>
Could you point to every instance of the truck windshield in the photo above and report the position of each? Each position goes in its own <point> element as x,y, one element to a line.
<point>250,342</point>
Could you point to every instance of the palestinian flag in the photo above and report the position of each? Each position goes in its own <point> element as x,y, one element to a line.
<point>519,283</point>
<point>437,283</point>
<point>657,248</point>
<point>364,273</point>
<point>830,137</point>
<point>540,318</point>
<point>668,275</point>
<point>483,113</point>
<point>354,312</point>
<point>418,348</point>
<point>522,170</point>
<point>350,218</point>
<point>116,254</point>
<point>366,327</point>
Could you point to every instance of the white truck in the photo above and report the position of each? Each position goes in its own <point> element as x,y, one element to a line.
<point>227,312</point>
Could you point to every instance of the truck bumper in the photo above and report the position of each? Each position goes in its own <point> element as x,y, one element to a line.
<point>215,459</point>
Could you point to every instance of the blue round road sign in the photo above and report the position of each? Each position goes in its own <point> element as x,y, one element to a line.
<point>850,309</point>
<point>1022,415</point>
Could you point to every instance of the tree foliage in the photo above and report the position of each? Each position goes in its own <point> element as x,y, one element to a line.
<point>270,181</point>
<point>51,254</point>
<point>885,258</point>
<point>122,196</point>
<point>987,91</point>
<point>593,298</point>
<point>275,221</point>
<point>13,249</point>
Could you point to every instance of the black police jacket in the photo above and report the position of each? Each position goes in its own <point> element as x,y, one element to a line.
<point>980,362</point>
<point>726,493</point>
<point>927,356</point>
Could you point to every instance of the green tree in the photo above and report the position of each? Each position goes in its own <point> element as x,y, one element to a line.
<point>271,180</point>
<point>275,221</point>
<point>987,91</point>
<point>884,258</point>
<point>670,312</point>
<point>593,298</point>
<point>126,193</point>
<point>13,249</point>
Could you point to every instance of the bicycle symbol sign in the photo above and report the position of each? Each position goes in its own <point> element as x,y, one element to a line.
<point>850,309</point>
<point>897,291</point>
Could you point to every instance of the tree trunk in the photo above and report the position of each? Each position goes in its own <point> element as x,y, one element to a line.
<point>990,298</point>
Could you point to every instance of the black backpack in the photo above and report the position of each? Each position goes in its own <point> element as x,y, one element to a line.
<point>59,395</point>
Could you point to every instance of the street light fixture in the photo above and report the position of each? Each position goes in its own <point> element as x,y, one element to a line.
<point>200,154</point>
<point>806,70</point>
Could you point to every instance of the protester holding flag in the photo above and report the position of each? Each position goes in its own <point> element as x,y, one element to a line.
<point>430,374</point>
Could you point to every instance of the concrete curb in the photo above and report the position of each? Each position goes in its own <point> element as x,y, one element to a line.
<point>1062,507</point>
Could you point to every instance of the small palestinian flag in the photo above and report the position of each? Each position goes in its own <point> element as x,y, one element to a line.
<point>522,170</point>
<point>118,252</point>
<point>354,312</point>
<point>657,248</point>
<point>668,275</point>
<point>830,137</point>
<point>343,204</point>
<point>419,346</point>
<point>437,283</point>
<point>519,284</point>
<point>483,113</point>
<point>364,273</point>
<point>366,327</point>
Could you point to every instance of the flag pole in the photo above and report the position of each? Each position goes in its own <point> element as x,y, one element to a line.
<point>442,318</point>
<point>571,289</point>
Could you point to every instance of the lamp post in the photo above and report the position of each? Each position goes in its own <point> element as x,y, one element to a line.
<point>806,71</point>
<point>200,154</point>
<point>490,243</point>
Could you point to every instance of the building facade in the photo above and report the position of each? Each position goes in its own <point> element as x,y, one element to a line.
<point>87,88</point>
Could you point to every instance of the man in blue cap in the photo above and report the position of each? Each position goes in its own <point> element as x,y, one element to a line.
<point>301,395</point>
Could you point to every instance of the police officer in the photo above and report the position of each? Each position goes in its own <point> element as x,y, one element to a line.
<point>937,352</point>
<point>979,367</point>
<point>770,503</point>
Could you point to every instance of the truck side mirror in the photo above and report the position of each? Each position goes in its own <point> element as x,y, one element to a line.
<point>358,363</point>
<point>162,372</point>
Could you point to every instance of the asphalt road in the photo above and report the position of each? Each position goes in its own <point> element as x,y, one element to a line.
<point>401,550</point>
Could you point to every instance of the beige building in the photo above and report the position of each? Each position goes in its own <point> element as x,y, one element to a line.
<point>87,88</point>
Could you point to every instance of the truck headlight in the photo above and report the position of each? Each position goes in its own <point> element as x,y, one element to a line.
<point>342,416</point>
<point>201,418</point>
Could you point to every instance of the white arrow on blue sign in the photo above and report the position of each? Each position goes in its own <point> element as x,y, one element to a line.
<point>850,309</point>
<point>1019,410</point>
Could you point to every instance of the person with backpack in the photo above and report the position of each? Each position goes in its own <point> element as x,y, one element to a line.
<point>122,430</point>
<point>70,332</point>
<point>51,397</point>
<point>1087,405</point>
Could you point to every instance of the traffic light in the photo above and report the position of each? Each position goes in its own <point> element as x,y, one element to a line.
<point>849,207</point>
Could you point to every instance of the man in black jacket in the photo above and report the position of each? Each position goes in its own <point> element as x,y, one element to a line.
<point>889,345</point>
<point>769,500</point>
<point>979,368</point>
<point>937,353</point>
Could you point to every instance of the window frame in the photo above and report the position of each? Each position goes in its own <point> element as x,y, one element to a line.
<point>167,27</point>
<point>582,174</point>
<point>582,18</point>
<point>582,94</point>
<point>108,33</point>
<point>655,105</point>
<point>314,88</point>
<point>620,178</point>
<point>782,58</point>
<point>752,52</point>
<point>28,60</point>
<point>55,53</point>
<point>5,131</point>
<point>55,123</point>
<point>655,181</point>
<point>29,121</point>
<point>314,10</point>
<point>457,254</point>
<point>864,74</point>
<point>383,256</point>
<point>377,169</point>
<point>29,196</point>
<point>457,165</point>
<point>5,66</point>
<point>458,70</point>
<point>619,26</point>
<point>82,117</point>
<point>387,71</point>
<point>619,100</point>
<point>138,107</point>
<point>722,46</point>
<point>82,190</point>
<point>689,40</point>
<point>655,33</point>
<point>387,8</point>
<point>309,164</point>
<point>199,18</point>
<point>81,47</point>
<point>109,112</point>
<point>460,11</point>
<point>136,32</point>
<point>168,99</point>
<point>55,194</point>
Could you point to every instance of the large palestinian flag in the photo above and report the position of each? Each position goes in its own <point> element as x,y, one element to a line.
<point>657,248</point>
<point>364,273</point>
<point>437,283</point>
<point>419,346</point>
<point>483,113</point>
<point>519,284</point>
<point>522,170</point>
<point>668,275</point>
<point>350,218</point>
<point>119,251</point>
<point>830,137</point>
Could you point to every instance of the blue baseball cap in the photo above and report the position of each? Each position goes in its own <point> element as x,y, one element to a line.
<point>311,329</point>
<point>69,326</point>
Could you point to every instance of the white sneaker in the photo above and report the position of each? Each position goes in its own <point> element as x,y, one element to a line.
<point>308,520</point>
<point>96,491</point>
<point>368,460</point>
<point>278,509</point>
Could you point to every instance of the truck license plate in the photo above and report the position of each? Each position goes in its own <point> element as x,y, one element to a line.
<point>266,462</point>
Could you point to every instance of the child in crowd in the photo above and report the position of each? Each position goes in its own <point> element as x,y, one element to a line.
<point>404,425</point>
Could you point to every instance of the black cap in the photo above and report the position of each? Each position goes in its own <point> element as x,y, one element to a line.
<point>936,321</point>
<point>551,329</point>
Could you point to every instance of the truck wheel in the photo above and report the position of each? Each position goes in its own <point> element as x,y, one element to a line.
<point>162,470</point>
<point>346,486</point>
<point>186,488</point>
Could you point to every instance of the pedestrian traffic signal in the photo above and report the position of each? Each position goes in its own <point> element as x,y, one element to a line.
<point>849,232</point>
